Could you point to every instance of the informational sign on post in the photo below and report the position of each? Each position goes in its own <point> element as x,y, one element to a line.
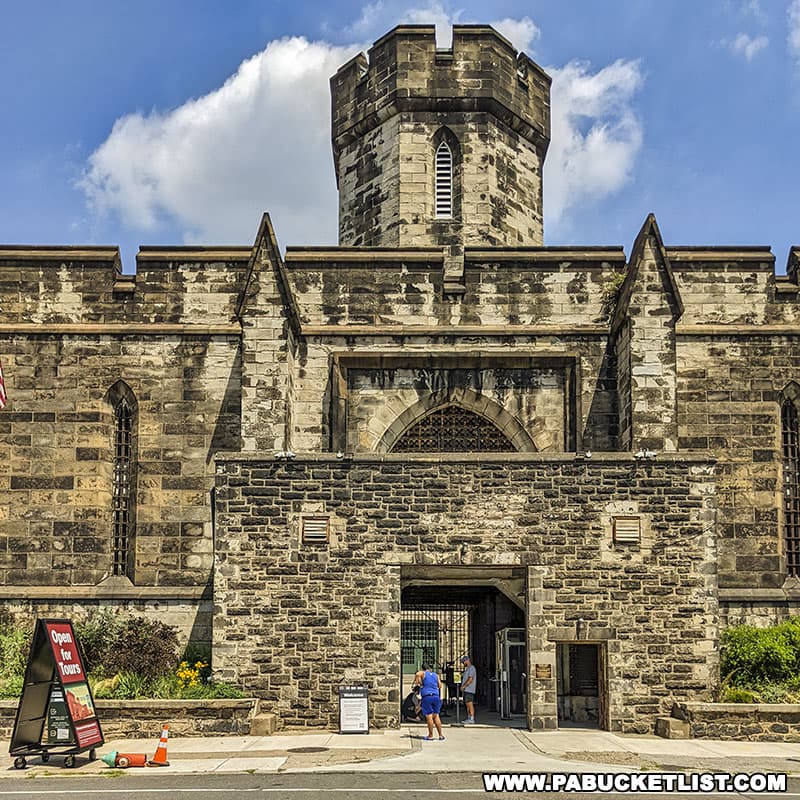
<point>56,708</point>
<point>353,709</point>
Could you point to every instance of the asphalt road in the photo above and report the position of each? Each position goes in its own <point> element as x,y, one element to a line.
<point>308,786</point>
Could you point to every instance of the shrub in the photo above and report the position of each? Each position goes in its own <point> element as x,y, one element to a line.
<point>752,656</point>
<point>98,636</point>
<point>15,645</point>
<point>211,691</point>
<point>143,646</point>
<point>735,694</point>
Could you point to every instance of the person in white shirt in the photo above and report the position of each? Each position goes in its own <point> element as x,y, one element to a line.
<point>469,683</point>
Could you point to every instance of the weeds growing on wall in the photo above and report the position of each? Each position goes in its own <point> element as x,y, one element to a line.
<point>127,658</point>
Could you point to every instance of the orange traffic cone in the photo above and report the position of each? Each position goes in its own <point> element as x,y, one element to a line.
<point>160,757</point>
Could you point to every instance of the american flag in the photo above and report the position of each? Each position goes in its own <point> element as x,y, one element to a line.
<point>3,399</point>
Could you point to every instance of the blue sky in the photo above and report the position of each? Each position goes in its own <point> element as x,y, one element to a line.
<point>177,122</point>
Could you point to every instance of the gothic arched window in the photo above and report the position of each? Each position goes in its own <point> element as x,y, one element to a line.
<point>453,430</point>
<point>791,486</point>
<point>444,181</point>
<point>124,480</point>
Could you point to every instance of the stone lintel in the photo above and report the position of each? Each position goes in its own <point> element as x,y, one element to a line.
<point>520,359</point>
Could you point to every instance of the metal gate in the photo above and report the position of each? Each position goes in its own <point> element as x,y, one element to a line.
<point>437,635</point>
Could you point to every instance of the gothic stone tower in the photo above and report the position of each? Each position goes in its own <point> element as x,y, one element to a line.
<point>440,147</point>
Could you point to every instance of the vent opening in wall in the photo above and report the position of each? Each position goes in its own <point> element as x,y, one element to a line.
<point>627,530</point>
<point>314,530</point>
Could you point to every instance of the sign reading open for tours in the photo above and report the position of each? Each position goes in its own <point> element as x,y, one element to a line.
<point>56,713</point>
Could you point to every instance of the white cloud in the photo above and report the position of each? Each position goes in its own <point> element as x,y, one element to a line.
<point>753,8</point>
<point>522,33</point>
<point>595,135</point>
<point>262,142</point>
<point>375,19</point>
<point>746,45</point>
<point>793,38</point>
<point>259,142</point>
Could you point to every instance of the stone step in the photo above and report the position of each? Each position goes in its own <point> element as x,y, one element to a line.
<point>263,724</point>
<point>671,728</point>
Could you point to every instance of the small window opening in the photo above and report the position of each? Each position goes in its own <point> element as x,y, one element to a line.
<point>791,486</point>
<point>444,182</point>
<point>123,485</point>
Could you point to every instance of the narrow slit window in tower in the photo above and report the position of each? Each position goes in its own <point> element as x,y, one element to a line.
<point>444,182</point>
<point>123,470</point>
<point>791,487</point>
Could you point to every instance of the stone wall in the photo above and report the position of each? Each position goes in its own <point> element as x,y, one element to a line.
<point>538,310</point>
<point>143,719</point>
<point>729,388</point>
<point>294,621</point>
<point>188,610</point>
<point>742,721</point>
<point>73,328</point>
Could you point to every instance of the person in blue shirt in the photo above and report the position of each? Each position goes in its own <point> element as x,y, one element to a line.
<point>430,690</point>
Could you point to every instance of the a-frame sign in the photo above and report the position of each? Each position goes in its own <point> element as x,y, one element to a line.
<point>55,696</point>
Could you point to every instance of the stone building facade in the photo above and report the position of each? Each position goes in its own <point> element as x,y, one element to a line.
<point>302,457</point>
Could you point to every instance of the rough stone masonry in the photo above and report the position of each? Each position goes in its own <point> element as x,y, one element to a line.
<point>271,451</point>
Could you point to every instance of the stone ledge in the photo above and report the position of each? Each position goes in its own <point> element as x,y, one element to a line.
<point>737,330</point>
<point>740,721</point>
<point>116,329</point>
<point>144,718</point>
<point>361,255</point>
<point>694,457</point>
<point>455,330</point>
<point>103,592</point>
<point>756,595</point>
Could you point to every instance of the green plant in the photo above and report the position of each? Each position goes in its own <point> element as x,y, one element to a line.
<point>211,691</point>
<point>609,294</point>
<point>131,686</point>
<point>759,655</point>
<point>14,647</point>
<point>144,646</point>
<point>11,688</point>
<point>165,687</point>
<point>735,694</point>
<point>98,635</point>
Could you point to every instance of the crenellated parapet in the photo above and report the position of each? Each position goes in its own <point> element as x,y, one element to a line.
<point>404,70</point>
<point>85,285</point>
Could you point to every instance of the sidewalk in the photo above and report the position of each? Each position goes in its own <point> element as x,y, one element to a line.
<point>473,749</point>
